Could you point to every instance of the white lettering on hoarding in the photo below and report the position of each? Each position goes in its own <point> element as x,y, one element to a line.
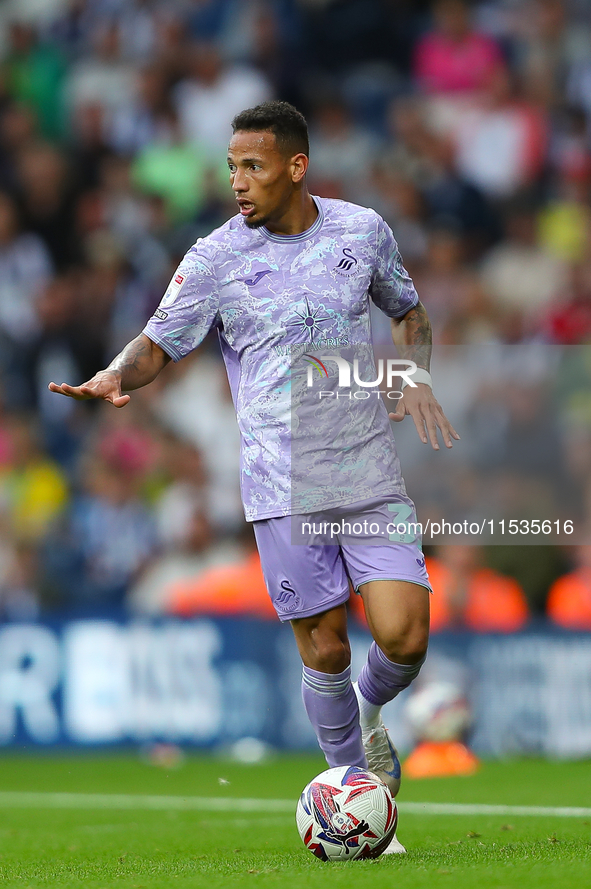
<point>141,681</point>
<point>29,674</point>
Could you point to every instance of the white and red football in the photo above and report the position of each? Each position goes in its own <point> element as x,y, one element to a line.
<point>346,813</point>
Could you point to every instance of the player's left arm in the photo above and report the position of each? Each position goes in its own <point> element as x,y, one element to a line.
<point>413,338</point>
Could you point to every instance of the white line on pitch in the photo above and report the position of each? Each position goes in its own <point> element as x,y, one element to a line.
<point>18,799</point>
<point>141,801</point>
<point>484,809</point>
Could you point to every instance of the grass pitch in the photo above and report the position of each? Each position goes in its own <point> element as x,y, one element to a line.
<point>113,821</point>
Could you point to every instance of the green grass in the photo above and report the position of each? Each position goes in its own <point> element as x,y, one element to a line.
<point>138,849</point>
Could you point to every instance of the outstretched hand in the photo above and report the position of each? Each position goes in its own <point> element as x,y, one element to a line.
<point>105,385</point>
<point>427,415</point>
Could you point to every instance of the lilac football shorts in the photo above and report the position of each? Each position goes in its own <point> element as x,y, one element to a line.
<point>308,560</point>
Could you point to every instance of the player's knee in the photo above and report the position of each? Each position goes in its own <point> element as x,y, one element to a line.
<point>405,648</point>
<point>323,641</point>
<point>330,654</point>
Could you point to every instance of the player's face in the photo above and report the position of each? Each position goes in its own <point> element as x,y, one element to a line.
<point>262,177</point>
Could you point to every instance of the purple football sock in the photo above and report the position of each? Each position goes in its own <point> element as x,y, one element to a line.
<point>380,680</point>
<point>331,706</point>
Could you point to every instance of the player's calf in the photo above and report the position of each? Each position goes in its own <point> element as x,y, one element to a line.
<point>380,681</point>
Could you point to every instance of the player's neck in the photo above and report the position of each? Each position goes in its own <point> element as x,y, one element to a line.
<point>297,218</point>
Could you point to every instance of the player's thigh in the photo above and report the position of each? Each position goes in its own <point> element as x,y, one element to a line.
<point>397,613</point>
<point>387,567</point>
<point>303,581</point>
<point>308,586</point>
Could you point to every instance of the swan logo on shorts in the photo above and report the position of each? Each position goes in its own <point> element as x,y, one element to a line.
<point>287,600</point>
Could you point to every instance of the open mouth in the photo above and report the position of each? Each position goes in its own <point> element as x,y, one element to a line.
<point>246,208</point>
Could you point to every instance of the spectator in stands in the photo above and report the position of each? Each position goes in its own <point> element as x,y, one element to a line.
<point>176,169</point>
<point>63,345</point>
<point>33,489</point>
<point>569,599</point>
<point>500,140</point>
<point>231,589</point>
<point>521,452</point>
<point>453,58</point>
<point>409,137</point>
<point>211,93</point>
<point>269,37</point>
<point>190,556</point>
<point>18,128</point>
<point>18,580</point>
<point>427,157</point>
<point>25,267</point>
<point>206,19</point>
<point>197,406</point>
<point>138,24</point>
<point>126,212</point>
<point>444,281</point>
<point>554,50</point>
<point>568,320</point>
<point>103,77</point>
<point>400,202</point>
<point>518,274</point>
<point>140,123</point>
<point>107,540</point>
<point>46,198</point>
<point>89,145</point>
<point>34,75</point>
<point>565,221</point>
<point>344,153</point>
<point>183,497</point>
<point>468,596</point>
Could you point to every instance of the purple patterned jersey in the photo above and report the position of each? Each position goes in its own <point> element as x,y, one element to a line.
<point>278,302</point>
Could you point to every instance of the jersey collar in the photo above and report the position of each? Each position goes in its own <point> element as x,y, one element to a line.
<point>302,236</point>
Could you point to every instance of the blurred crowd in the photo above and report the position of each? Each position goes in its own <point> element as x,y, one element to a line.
<point>467,126</point>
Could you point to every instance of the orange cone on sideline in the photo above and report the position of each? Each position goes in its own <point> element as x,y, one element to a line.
<point>437,759</point>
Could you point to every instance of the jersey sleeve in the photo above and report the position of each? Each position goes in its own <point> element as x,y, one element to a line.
<point>190,306</point>
<point>391,288</point>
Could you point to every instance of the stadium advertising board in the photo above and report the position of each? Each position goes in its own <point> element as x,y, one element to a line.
<point>211,682</point>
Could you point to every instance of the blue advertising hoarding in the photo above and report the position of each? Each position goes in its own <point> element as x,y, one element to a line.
<point>209,682</point>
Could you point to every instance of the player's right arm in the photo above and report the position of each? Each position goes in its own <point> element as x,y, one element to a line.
<point>187,311</point>
<point>138,364</point>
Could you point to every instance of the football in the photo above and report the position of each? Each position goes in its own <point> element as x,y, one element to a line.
<point>346,813</point>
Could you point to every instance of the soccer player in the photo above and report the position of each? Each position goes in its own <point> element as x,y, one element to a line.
<point>293,273</point>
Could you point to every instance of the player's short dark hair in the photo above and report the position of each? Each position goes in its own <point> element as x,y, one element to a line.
<point>286,123</point>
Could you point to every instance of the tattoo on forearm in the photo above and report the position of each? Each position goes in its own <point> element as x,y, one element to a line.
<point>132,356</point>
<point>135,364</point>
<point>416,341</point>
